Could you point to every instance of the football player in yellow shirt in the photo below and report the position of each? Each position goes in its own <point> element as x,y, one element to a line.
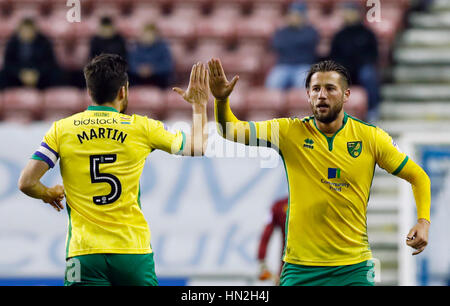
<point>330,160</point>
<point>102,153</point>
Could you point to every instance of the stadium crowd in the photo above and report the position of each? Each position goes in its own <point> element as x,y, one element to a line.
<point>269,44</point>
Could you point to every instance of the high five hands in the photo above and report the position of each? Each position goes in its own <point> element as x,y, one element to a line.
<point>218,83</point>
<point>197,92</point>
<point>202,81</point>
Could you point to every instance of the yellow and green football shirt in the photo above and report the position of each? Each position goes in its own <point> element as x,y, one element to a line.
<point>329,179</point>
<point>102,154</point>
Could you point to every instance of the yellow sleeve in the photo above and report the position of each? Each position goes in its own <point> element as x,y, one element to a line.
<point>390,158</point>
<point>387,154</point>
<point>262,133</point>
<point>161,139</point>
<point>49,148</point>
<point>421,187</point>
<point>268,133</point>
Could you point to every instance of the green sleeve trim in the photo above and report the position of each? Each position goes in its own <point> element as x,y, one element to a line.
<point>397,171</point>
<point>252,140</point>
<point>139,197</point>
<point>69,231</point>
<point>36,157</point>
<point>182,143</point>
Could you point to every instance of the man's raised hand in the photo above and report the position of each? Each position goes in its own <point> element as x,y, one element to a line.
<point>198,88</point>
<point>218,83</point>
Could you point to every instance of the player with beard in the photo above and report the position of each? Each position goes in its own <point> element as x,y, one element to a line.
<point>102,153</point>
<point>330,161</point>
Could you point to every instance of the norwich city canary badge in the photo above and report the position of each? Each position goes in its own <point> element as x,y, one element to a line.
<point>354,148</point>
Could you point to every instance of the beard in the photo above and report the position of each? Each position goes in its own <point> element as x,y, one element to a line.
<point>330,116</point>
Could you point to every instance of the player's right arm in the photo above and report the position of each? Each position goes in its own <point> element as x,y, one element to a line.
<point>229,126</point>
<point>246,132</point>
<point>43,159</point>
<point>30,184</point>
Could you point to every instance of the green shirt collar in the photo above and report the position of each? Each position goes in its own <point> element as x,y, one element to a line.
<point>102,108</point>
<point>331,139</point>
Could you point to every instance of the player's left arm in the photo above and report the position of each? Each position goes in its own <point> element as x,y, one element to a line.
<point>390,158</point>
<point>417,237</point>
<point>30,184</point>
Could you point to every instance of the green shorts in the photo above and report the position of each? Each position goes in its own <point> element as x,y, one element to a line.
<point>361,274</point>
<point>111,270</point>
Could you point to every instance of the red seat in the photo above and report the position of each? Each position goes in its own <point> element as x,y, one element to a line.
<point>21,104</point>
<point>357,104</point>
<point>147,101</point>
<point>328,25</point>
<point>86,29</point>
<point>237,63</point>
<point>177,108</point>
<point>256,27</point>
<point>149,10</point>
<point>208,49</point>
<point>72,56</point>
<point>57,28</point>
<point>130,27</point>
<point>273,9</point>
<point>61,102</point>
<point>187,10</point>
<point>181,28</point>
<point>210,27</point>
<point>265,104</point>
<point>106,8</point>
<point>297,103</point>
<point>226,10</point>
<point>7,27</point>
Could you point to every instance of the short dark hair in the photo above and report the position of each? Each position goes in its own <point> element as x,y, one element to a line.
<point>27,21</point>
<point>327,66</point>
<point>106,21</point>
<point>105,74</point>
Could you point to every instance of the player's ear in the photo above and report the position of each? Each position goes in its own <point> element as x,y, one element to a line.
<point>122,93</point>
<point>346,95</point>
<point>308,95</point>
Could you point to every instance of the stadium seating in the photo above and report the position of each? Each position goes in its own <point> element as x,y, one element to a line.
<point>147,101</point>
<point>22,105</point>
<point>264,104</point>
<point>61,102</point>
<point>236,31</point>
<point>297,103</point>
<point>357,104</point>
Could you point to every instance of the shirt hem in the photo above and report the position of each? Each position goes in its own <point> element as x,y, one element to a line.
<point>109,251</point>
<point>327,263</point>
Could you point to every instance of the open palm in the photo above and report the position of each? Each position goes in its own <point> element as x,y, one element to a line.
<point>198,88</point>
<point>218,83</point>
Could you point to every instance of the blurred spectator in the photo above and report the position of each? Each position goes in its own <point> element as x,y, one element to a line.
<point>107,40</point>
<point>277,220</point>
<point>355,46</point>
<point>150,61</point>
<point>29,59</point>
<point>295,45</point>
<point>420,5</point>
